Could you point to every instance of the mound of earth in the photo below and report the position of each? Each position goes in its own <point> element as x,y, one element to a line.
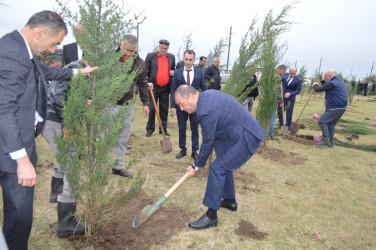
<point>301,139</point>
<point>278,155</point>
<point>248,229</point>
<point>119,234</point>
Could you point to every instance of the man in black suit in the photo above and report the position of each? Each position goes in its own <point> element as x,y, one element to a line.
<point>202,63</point>
<point>212,75</point>
<point>159,70</point>
<point>187,75</point>
<point>72,52</point>
<point>23,108</point>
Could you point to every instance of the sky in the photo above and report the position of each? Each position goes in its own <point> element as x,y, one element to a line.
<point>341,32</point>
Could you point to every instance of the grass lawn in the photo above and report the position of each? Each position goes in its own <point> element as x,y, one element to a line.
<point>326,199</point>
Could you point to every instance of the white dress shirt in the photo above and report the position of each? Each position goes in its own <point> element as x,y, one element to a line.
<point>191,74</point>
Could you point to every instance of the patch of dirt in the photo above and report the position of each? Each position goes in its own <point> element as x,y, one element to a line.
<point>355,136</point>
<point>245,182</point>
<point>299,139</point>
<point>44,166</point>
<point>248,229</point>
<point>120,234</point>
<point>308,137</point>
<point>172,125</point>
<point>278,155</point>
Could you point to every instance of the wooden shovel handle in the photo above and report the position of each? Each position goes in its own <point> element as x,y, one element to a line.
<point>309,97</point>
<point>177,184</point>
<point>156,111</point>
<point>283,101</point>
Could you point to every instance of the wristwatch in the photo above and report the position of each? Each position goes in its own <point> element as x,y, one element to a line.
<point>194,167</point>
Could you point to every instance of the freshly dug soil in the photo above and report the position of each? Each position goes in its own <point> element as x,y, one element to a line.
<point>248,229</point>
<point>280,156</point>
<point>120,234</point>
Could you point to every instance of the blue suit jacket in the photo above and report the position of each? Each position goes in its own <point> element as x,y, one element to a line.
<point>293,88</point>
<point>227,127</point>
<point>197,83</point>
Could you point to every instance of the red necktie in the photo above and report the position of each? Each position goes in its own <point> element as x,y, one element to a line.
<point>188,78</point>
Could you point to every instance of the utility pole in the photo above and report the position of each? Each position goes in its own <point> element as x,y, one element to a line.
<point>320,65</point>
<point>229,45</point>
<point>372,68</point>
<point>138,34</point>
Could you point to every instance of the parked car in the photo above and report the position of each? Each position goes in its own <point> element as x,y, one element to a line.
<point>225,75</point>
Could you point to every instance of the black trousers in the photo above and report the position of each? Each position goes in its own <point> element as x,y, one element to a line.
<point>18,211</point>
<point>161,94</point>
<point>182,122</point>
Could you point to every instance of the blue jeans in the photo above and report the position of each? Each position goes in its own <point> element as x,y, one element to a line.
<point>18,211</point>
<point>272,124</point>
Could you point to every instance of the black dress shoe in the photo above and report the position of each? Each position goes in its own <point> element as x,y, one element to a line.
<point>148,134</point>
<point>166,133</point>
<point>194,155</point>
<point>204,222</point>
<point>230,205</point>
<point>121,172</point>
<point>181,154</point>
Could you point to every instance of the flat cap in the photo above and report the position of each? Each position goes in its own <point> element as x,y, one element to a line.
<point>164,41</point>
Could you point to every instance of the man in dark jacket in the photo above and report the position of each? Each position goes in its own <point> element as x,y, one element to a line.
<point>252,91</point>
<point>159,71</point>
<point>60,188</point>
<point>212,75</point>
<point>23,110</point>
<point>335,106</point>
<point>128,49</point>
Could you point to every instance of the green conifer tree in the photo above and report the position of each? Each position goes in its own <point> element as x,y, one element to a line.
<point>90,130</point>
<point>269,83</point>
<point>251,50</point>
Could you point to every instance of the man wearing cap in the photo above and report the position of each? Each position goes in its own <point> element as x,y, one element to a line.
<point>160,68</point>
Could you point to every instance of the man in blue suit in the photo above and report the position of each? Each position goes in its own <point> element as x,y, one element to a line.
<point>291,87</point>
<point>187,75</point>
<point>234,134</point>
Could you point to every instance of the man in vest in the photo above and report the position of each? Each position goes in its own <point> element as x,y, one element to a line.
<point>335,106</point>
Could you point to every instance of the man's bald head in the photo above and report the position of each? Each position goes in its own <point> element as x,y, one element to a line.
<point>292,72</point>
<point>329,75</point>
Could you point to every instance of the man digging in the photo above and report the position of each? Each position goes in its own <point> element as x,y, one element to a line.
<point>234,134</point>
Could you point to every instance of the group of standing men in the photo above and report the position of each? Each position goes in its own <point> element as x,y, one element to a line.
<point>26,111</point>
<point>227,127</point>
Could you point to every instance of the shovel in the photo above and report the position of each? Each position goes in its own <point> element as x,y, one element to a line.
<point>147,211</point>
<point>294,128</point>
<point>284,128</point>
<point>165,143</point>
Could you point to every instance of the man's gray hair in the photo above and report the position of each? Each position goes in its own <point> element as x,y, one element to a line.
<point>282,67</point>
<point>48,19</point>
<point>184,91</point>
<point>131,39</point>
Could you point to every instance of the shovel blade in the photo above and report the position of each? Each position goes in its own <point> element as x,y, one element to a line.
<point>285,130</point>
<point>294,128</point>
<point>166,145</point>
<point>146,212</point>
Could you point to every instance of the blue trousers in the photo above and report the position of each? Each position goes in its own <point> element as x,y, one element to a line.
<point>291,103</point>
<point>220,185</point>
<point>272,123</point>
<point>182,122</point>
<point>18,211</point>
